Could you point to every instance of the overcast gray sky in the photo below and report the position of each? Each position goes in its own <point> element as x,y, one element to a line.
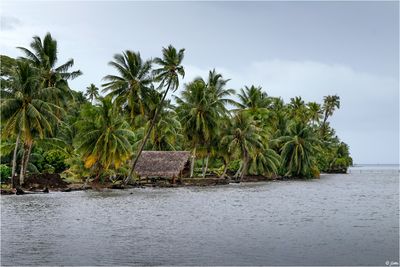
<point>310,49</point>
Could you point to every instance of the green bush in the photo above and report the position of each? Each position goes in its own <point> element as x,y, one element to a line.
<point>56,159</point>
<point>234,165</point>
<point>5,172</point>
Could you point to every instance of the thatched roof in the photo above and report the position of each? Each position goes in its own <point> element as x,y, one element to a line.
<point>165,164</point>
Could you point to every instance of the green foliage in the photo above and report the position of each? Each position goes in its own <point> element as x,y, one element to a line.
<point>56,159</point>
<point>132,87</point>
<point>7,68</point>
<point>298,151</point>
<point>234,166</point>
<point>170,68</point>
<point>92,92</point>
<point>5,172</point>
<point>103,138</point>
<point>87,136</point>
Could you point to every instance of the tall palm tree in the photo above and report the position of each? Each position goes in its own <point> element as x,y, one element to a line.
<point>331,102</point>
<point>44,56</point>
<point>26,110</point>
<point>132,84</point>
<point>168,75</point>
<point>243,138</point>
<point>299,148</point>
<point>104,139</point>
<point>216,85</point>
<point>198,115</point>
<point>92,92</point>
<point>218,95</point>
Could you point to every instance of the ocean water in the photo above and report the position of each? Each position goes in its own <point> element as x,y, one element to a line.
<point>343,219</point>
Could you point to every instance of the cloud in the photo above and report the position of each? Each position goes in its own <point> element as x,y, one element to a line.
<point>369,112</point>
<point>9,23</point>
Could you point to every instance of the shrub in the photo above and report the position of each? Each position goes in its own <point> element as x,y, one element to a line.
<point>234,165</point>
<point>56,159</point>
<point>5,172</point>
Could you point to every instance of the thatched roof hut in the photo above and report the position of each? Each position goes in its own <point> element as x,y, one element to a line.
<point>165,164</point>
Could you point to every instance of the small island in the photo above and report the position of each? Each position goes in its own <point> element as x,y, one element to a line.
<point>147,128</point>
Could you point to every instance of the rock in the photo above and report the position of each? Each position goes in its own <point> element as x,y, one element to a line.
<point>19,191</point>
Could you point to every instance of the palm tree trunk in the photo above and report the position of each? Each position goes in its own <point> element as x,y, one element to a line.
<point>244,169</point>
<point>21,172</point>
<point>14,161</point>
<point>324,121</point>
<point>225,170</point>
<point>205,169</point>
<point>202,166</point>
<point>239,170</point>
<point>153,121</point>
<point>27,159</point>
<point>192,162</point>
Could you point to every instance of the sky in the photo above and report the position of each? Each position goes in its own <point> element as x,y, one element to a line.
<point>308,49</point>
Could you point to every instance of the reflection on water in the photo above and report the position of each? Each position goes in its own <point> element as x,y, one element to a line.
<point>337,220</point>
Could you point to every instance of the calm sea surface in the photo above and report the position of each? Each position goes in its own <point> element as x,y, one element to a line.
<point>348,219</point>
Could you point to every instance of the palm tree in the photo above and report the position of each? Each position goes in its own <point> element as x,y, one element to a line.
<point>44,56</point>
<point>92,92</point>
<point>104,137</point>
<point>166,134</point>
<point>265,162</point>
<point>331,102</point>
<point>216,86</point>
<point>299,148</point>
<point>298,109</point>
<point>219,97</point>
<point>26,111</point>
<point>134,82</point>
<point>243,138</point>
<point>168,75</point>
<point>222,150</point>
<point>314,112</point>
<point>257,103</point>
<point>253,98</point>
<point>198,115</point>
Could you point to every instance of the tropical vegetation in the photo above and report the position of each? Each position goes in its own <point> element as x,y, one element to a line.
<point>48,127</point>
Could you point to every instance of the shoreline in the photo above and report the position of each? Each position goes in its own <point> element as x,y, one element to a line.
<point>185,182</point>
